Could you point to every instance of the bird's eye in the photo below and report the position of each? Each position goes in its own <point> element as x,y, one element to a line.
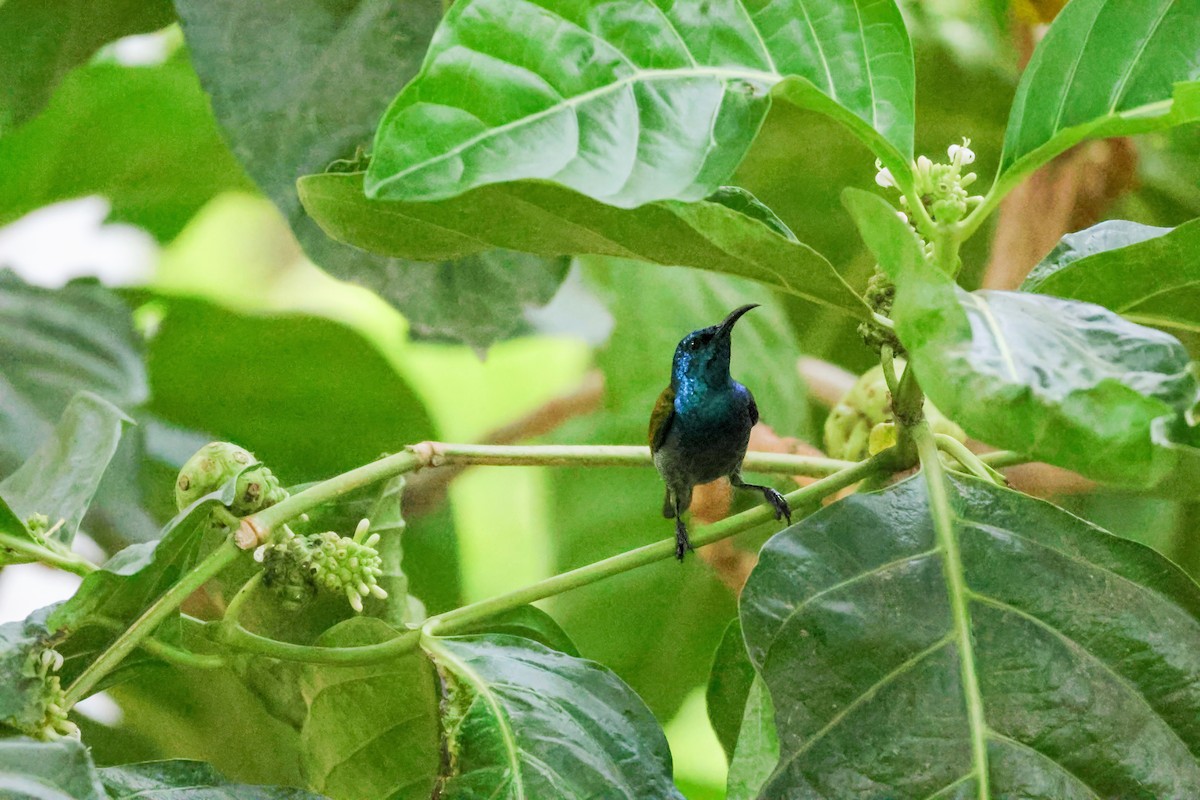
<point>694,344</point>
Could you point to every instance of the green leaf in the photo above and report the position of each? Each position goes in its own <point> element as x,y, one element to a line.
<point>1146,274</point>
<point>1077,385</point>
<point>54,344</point>
<point>371,731</point>
<point>269,382</point>
<point>1104,69</point>
<point>59,770</point>
<point>527,622</point>
<point>757,751</point>
<point>182,779</point>
<point>40,44</point>
<point>62,476</point>
<point>538,723</point>
<point>143,137</point>
<point>729,684</point>
<point>636,102</point>
<point>990,627</point>
<point>297,85</point>
<point>549,220</point>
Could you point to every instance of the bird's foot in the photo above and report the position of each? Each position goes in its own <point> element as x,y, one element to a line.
<point>682,543</point>
<point>778,503</point>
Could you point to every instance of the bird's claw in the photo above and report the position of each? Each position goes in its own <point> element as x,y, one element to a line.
<point>682,543</point>
<point>782,511</point>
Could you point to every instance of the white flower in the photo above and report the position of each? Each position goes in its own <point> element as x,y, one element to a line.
<point>903,217</point>
<point>884,176</point>
<point>961,154</point>
<point>924,164</point>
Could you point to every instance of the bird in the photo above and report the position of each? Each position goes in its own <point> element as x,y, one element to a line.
<point>700,426</point>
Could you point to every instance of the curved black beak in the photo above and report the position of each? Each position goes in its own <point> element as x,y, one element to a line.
<point>726,325</point>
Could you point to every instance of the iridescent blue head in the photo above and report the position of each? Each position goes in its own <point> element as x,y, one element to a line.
<point>702,357</point>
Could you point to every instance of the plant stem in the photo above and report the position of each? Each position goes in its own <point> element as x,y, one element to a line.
<point>464,617</point>
<point>150,619</point>
<point>1003,458</point>
<point>234,609</point>
<point>972,462</point>
<point>54,558</point>
<point>169,652</point>
<point>956,586</point>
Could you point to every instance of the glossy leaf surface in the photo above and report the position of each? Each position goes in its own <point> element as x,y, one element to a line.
<point>636,101</point>
<point>299,85</point>
<point>538,723</point>
<point>1078,385</point>
<point>1147,274</point>
<point>757,750</point>
<point>1104,68</point>
<point>60,770</point>
<point>1083,653</point>
<point>62,476</point>
<point>181,779</point>
<point>549,221</point>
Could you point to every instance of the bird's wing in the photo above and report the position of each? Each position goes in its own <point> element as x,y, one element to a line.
<point>753,408</point>
<point>661,418</point>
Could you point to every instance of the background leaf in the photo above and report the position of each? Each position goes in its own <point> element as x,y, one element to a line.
<point>549,221</point>
<point>640,102</point>
<point>60,770</point>
<point>1104,69</point>
<point>538,723</point>
<point>757,750</point>
<point>729,684</point>
<point>297,85</point>
<point>61,477</point>
<point>180,779</point>
<point>142,137</point>
<point>1146,274</point>
<point>848,619</point>
<point>40,45</point>
<point>1079,386</point>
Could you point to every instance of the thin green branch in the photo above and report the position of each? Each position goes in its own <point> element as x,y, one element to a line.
<point>1004,458</point>
<point>52,557</point>
<point>168,652</point>
<point>972,462</point>
<point>150,619</point>
<point>464,617</point>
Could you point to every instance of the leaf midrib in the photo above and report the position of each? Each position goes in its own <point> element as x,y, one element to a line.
<point>724,74</point>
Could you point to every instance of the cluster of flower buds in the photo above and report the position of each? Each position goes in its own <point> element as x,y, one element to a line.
<point>43,665</point>
<point>296,566</point>
<point>213,465</point>
<point>862,423</point>
<point>941,187</point>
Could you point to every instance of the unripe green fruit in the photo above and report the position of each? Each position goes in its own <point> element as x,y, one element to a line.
<point>213,465</point>
<point>867,405</point>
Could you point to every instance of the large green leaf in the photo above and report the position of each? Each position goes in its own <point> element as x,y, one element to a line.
<point>636,101</point>
<point>181,779</point>
<point>1061,380</point>
<point>296,85</point>
<point>1104,68</point>
<point>371,731</point>
<point>269,383</point>
<point>757,750</point>
<point>39,44</point>
<point>1146,274</point>
<point>60,770</point>
<point>549,220</point>
<point>530,722</point>
<point>142,137</point>
<point>981,640</point>
<point>61,477</point>
<point>53,344</point>
<point>729,683</point>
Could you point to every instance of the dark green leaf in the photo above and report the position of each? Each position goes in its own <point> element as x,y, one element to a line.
<point>143,137</point>
<point>59,770</point>
<point>187,780</point>
<point>1104,69</point>
<point>40,43</point>
<point>371,731</point>
<point>549,220</point>
<point>757,751</point>
<point>639,102</point>
<point>53,344</point>
<point>537,723</point>
<point>61,477</point>
<point>268,383</point>
<point>387,519</point>
<point>22,695</point>
<point>904,642</point>
<point>728,687</point>
<point>1074,384</point>
<point>1146,274</point>
<point>528,622</point>
<point>296,85</point>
